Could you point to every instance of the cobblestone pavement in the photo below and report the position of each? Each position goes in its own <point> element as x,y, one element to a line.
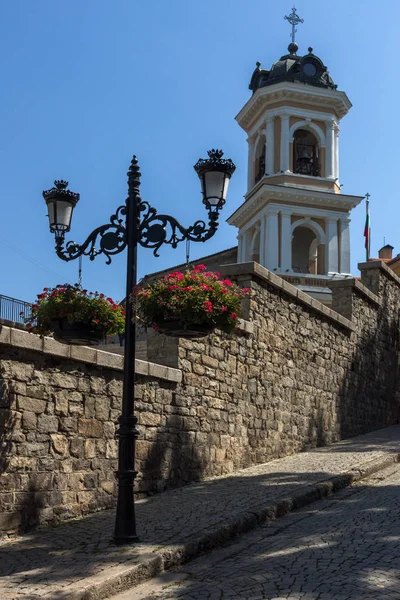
<point>62,562</point>
<point>345,547</point>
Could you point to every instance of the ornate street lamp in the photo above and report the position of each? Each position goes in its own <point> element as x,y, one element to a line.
<point>133,223</point>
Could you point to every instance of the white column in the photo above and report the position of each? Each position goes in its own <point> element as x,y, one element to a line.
<point>284,143</point>
<point>286,242</point>
<point>337,129</point>
<point>244,255</point>
<point>344,245</point>
<point>270,136</point>
<point>330,150</point>
<point>263,226</point>
<point>240,247</point>
<point>332,250</point>
<point>271,241</point>
<point>250,164</point>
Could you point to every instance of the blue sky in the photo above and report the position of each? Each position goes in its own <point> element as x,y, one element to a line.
<point>85,84</point>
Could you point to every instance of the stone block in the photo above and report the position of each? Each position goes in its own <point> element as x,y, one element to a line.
<point>147,418</point>
<point>110,360</point>
<point>90,448</point>
<point>109,430</point>
<point>61,403</point>
<point>47,423</point>
<point>68,424</point>
<point>23,339</point>
<point>21,464</point>
<point>59,444</point>
<point>10,521</point>
<point>90,428</point>
<point>34,405</point>
<point>50,346</point>
<point>77,447</point>
<point>64,380</point>
<point>5,335</point>
<point>102,408</point>
<point>84,354</point>
<point>111,449</point>
<point>37,391</point>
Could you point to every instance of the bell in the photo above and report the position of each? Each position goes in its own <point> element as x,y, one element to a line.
<point>304,156</point>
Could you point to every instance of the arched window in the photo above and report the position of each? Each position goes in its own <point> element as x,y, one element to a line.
<point>307,252</point>
<point>259,160</point>
<point>305,153</point>
<point>260,166</point>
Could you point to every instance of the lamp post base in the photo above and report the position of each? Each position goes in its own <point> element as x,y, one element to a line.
<point>126,541</point>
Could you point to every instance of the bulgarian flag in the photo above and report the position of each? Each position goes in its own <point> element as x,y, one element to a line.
<point>367,229</point>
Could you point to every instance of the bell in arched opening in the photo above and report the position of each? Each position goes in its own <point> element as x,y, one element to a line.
<point>305,154</point>
<point>260,165</point>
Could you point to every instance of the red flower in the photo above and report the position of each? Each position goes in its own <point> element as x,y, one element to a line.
<point>188,288</point>
<point>200,268</point>
<point>177,275</point>
<point>227,282</point>
<point>233,316</point>
<point>101,295</point>
<point>246,290</point>
<point>208,307</point>
<point>223,309</point>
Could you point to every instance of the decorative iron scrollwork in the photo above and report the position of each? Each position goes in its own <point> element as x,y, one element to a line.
<point>153,230</point>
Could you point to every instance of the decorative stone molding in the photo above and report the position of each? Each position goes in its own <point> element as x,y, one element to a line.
<point>23,339</point>
<point>256,270</point>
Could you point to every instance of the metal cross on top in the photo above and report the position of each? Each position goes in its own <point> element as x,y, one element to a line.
<point>294,20</point>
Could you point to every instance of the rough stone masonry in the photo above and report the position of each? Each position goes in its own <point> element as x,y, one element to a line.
<point>294,375</point>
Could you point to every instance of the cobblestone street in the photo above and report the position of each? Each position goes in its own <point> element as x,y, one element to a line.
<point>346,547</point>
<point>77,559</point>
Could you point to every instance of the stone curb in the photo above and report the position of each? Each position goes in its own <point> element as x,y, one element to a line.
<point>173,556</point>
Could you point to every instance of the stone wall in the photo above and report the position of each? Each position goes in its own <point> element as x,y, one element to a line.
<point>306,376</point>
<point>59,407</point>
<point>295,374</point>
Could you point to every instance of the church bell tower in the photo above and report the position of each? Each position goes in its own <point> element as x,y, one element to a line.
<point>295,220</point>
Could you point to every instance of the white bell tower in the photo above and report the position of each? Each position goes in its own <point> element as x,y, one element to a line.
<point>295,220</point>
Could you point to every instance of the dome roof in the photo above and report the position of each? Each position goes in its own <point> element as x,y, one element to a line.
<point>308,69</point>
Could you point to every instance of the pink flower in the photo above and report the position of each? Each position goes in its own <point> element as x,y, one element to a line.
<point>208,307</point>
<point>177,275</point>
<point>233,316</point>
<point>199,268</point>
<point>224,309</point>
<point>246,290</point>
<point>227,282</point>
<point>188,288</point>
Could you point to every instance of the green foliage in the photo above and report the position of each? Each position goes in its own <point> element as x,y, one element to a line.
<point>196,297</point>
<point>77,306</point>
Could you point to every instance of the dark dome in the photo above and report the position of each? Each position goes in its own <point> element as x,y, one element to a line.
<point>308,69</point>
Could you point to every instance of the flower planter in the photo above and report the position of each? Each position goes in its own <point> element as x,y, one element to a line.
<point>185,330</point>
<point>80,334</point>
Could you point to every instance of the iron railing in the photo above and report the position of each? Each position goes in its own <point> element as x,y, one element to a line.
<point>14,310</point>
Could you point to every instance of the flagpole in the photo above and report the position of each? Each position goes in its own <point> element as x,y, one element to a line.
<point>367,229</point>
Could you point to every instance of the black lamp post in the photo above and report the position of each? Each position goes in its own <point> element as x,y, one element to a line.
<point>135,222</point>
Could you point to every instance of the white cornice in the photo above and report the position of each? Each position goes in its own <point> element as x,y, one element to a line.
<point>271,195</point>
<point>297,92</point>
